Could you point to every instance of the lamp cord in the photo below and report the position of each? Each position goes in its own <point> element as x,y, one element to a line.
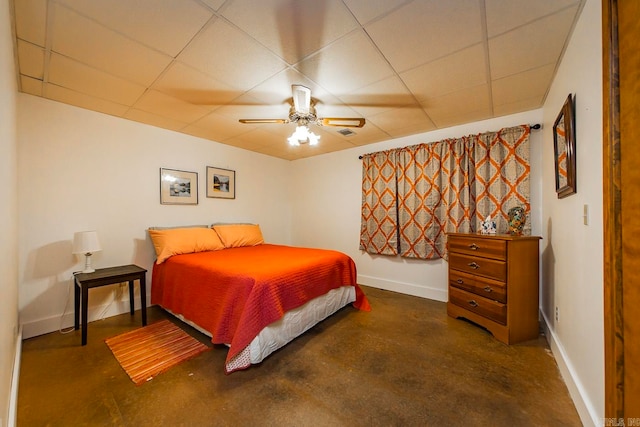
<point>66,305</point>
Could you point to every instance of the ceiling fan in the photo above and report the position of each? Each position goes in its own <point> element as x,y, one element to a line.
<point>303,113</point>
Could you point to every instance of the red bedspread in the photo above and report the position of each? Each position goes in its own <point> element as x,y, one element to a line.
<point>235,293</point>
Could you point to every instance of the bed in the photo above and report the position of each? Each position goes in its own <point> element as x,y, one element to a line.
<point>252,296</point>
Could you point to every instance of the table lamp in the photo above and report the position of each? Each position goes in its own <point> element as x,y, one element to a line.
<point>86,242</point>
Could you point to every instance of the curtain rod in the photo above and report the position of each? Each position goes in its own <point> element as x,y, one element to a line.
<point>534,127</point>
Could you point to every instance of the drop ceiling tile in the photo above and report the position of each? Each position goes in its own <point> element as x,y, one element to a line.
<point>410,130</point>
<point>452,107</point>
<point>292,30</point>
<point>264,138</point>
<point>335,111</point>
<point>236,143</point>
<point>347,65</point>
<point>84,79</point>
<point>31,20</point>
<point>380,96</point>
<point>253,140</point>
<point>67,96</point>
<point>88,42</point>
<point>169,107</point>
<point>517,107</point>
<point>31,60</point>
<point>222,127</point>
<point>30,85</point>
<point>531,46</point>
<point>463,69</point>
<point>200,133</point>
<point>233,57</point>
<point>368,10</point>
<point>526,85</point>
<point>333,146</point>
<point>399,118</point>
<point>195,87</point>
<point>166,26</point>
<point>436,28</point>
<point>462,117</point>
<point>153,119</point>
<point>214,4</point>
<point>503,16</point>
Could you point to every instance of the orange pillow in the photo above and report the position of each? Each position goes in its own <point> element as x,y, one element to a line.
<point>238,235</point>
<point>176,241</point>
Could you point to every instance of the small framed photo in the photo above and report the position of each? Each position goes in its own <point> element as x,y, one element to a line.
<point>178,187</point>
<point>221,183</point>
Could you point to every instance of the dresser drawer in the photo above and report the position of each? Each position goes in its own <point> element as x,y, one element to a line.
<point>493,310</point>
<point>482,286</point>
<point>483,247</point>
<point>486,267</point>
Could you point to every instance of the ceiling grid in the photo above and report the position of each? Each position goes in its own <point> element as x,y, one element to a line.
<point>198,66</point>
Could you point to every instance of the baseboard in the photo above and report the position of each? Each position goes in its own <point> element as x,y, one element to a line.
<point>404,288</point>
<point>586,410</point>
<point>12,419</point>
<point>55,323</point>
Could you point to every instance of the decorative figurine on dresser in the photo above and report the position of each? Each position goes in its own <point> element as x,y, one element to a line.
<point>493,282</point>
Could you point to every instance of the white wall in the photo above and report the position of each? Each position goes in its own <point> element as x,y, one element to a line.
<point>573,252</point>
<point>328,197</point>
<point>8,212</point>
<point>82,170</point>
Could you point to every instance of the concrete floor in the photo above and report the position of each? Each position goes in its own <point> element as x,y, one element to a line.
<point>406,363</point>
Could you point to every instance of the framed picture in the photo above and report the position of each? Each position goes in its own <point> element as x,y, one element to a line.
<point>564,144</point>
<point>178,187</point>
<point>221,183</point>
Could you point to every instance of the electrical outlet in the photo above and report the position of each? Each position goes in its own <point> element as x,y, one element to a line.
<point>557,314</point>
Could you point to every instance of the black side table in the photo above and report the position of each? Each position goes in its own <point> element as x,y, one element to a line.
<point>108,276</point>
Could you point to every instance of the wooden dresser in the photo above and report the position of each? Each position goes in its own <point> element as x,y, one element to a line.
<point>493,282</point>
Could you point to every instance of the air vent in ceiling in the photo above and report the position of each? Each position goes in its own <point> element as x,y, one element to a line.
<point>346,132</point>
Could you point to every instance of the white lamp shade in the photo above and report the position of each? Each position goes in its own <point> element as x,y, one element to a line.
<point>86,242</point>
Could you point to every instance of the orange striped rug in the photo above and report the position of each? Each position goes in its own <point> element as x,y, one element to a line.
<point>153,349</point>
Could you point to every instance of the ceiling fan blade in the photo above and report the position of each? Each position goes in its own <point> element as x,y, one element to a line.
<point>301,99</point>
<point>344,122</point>
<point>258,121</point>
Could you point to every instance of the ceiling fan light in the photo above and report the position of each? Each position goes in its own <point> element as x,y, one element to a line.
<point>293,141</point>
<point>313,138</point>
<point>302,135</point>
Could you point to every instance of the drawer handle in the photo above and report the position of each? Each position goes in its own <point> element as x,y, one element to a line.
<point>487,289</point>
<point>473,247</point>
<point>460,281</point>
<point>472,303</point>
<point>473,265</point>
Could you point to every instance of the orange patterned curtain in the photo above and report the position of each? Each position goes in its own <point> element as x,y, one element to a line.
<point>379,222</point>
<point>502,175</point>
<point>413,196</point>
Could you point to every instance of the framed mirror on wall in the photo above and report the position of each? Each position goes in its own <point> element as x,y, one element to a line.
<point>564,149</point>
